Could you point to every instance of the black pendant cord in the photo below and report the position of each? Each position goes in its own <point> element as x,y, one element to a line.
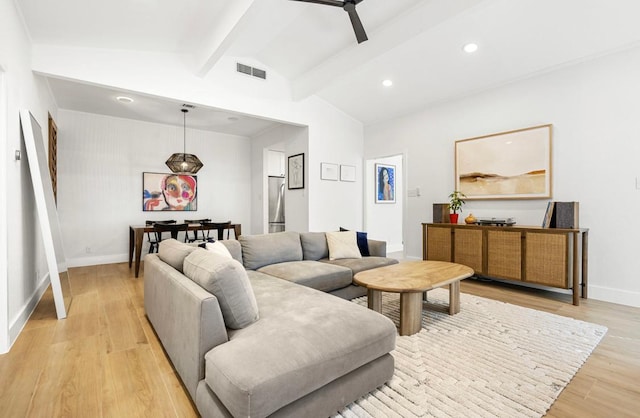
<point>184,134</point>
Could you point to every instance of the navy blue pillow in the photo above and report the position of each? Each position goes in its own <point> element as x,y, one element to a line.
<point>363,244</point>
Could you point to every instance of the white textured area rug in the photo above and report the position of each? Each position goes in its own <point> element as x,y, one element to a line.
<point>492,359</point>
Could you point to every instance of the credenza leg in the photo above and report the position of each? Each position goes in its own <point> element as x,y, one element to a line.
<point>576,281</point>
<point>454,297</point>
<point>585,263</point>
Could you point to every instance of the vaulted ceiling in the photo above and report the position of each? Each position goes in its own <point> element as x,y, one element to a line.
<point>415,43</point>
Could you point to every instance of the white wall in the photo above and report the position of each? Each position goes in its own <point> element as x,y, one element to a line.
<point>298,201</point>
<point>334,138</point>
<point>100,164</point>
<point>593,107</point>
<point>384,221</point>
<point>332,135</point>
<point>4,285</point>
<point>291,140</point>
<point>23,275</point>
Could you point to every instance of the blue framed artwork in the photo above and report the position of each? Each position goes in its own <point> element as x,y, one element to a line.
<point>385,183</point>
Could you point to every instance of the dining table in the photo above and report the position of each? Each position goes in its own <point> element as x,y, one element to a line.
<point>136,238</point>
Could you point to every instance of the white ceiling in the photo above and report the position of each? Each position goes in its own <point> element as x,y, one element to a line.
<point>416,43</point>
<point>103,101</point>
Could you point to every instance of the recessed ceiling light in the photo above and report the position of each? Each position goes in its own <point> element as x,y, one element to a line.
<point>387,83</point>
<point>470,48</point>
<point>124,99</point>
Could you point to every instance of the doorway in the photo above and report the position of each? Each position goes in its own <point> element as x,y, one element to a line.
<point>384,213</point>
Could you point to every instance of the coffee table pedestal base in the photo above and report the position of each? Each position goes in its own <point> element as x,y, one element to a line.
<point>374,300</point>
<point>410,313</point>
<point>411,307</point>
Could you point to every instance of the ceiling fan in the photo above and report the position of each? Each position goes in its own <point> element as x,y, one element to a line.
<point>349,6</point>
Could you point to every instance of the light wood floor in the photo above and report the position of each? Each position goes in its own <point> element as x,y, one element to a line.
<point>104,360</point>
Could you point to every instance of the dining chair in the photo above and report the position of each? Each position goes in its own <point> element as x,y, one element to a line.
<point>159,229</point>
<point>152,237</point>
<point>218,226</point>
<point>198,234</point>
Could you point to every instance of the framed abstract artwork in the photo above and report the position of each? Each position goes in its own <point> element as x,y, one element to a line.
<point>508,165</point>
<point>329,171</point>
<point>169,191</point>
<point>385,183</point>
<point>295,172</point>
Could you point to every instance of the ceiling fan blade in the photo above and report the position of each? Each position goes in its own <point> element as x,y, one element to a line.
<point>361,35</point>
<point>325,2</point>
<point>350,7</point>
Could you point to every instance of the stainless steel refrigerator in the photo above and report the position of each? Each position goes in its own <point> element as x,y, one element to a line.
<point>276,204</point>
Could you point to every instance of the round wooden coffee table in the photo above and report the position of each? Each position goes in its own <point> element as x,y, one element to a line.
<point>411,279</point>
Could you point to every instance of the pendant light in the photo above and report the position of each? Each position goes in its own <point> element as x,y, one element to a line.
<point>183,162</point>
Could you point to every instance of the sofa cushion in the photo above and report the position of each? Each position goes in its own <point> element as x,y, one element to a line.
<point>320,276</point>
<point>173,252</point>
<point>260,250</point>
<point>234,248</point>
<point>342,245</point>
<point>314,245</point>
<point>227,280</point>
<point>304,340</point>
<point>361,264</point>
<point>362,241</point>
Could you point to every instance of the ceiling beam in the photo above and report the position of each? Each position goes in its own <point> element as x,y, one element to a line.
<point>418,19</point>
<point>223,35</point>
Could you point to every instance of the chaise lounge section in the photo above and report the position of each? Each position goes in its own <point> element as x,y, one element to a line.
<point>303,352</point>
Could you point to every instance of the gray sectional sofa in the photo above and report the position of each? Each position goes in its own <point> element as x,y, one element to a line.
<point>258,334</point>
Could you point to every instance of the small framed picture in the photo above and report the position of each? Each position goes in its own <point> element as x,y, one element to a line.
<point>347,173</point>
<point>329,171</point>
<point>295,172</point>
<point>385,183</point>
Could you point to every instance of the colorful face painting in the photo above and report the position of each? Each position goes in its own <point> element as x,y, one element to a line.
<point>169,192</point>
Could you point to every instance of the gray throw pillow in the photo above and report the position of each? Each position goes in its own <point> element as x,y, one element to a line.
<point>173,252</point>
<point>227,280</point>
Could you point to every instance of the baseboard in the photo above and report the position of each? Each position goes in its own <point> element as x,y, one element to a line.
<point>21,320</point>
<point>605,294</point>
<point>395,248</point>
<point>98,260</point>
<point>608,294</point>
<point>412,257</point>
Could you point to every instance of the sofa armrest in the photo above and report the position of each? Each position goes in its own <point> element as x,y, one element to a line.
<point>377,248</point>
<point>186,318</point>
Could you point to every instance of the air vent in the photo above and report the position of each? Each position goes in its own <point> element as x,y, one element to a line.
<point>259,73</point>
<point>188,106</point>
<point>248,70</point>
<point>244,69</point>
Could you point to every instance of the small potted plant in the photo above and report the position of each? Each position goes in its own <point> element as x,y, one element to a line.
<point>455,204</point>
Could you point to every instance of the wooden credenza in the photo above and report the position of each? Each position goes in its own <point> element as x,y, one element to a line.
<point>528,254</point>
